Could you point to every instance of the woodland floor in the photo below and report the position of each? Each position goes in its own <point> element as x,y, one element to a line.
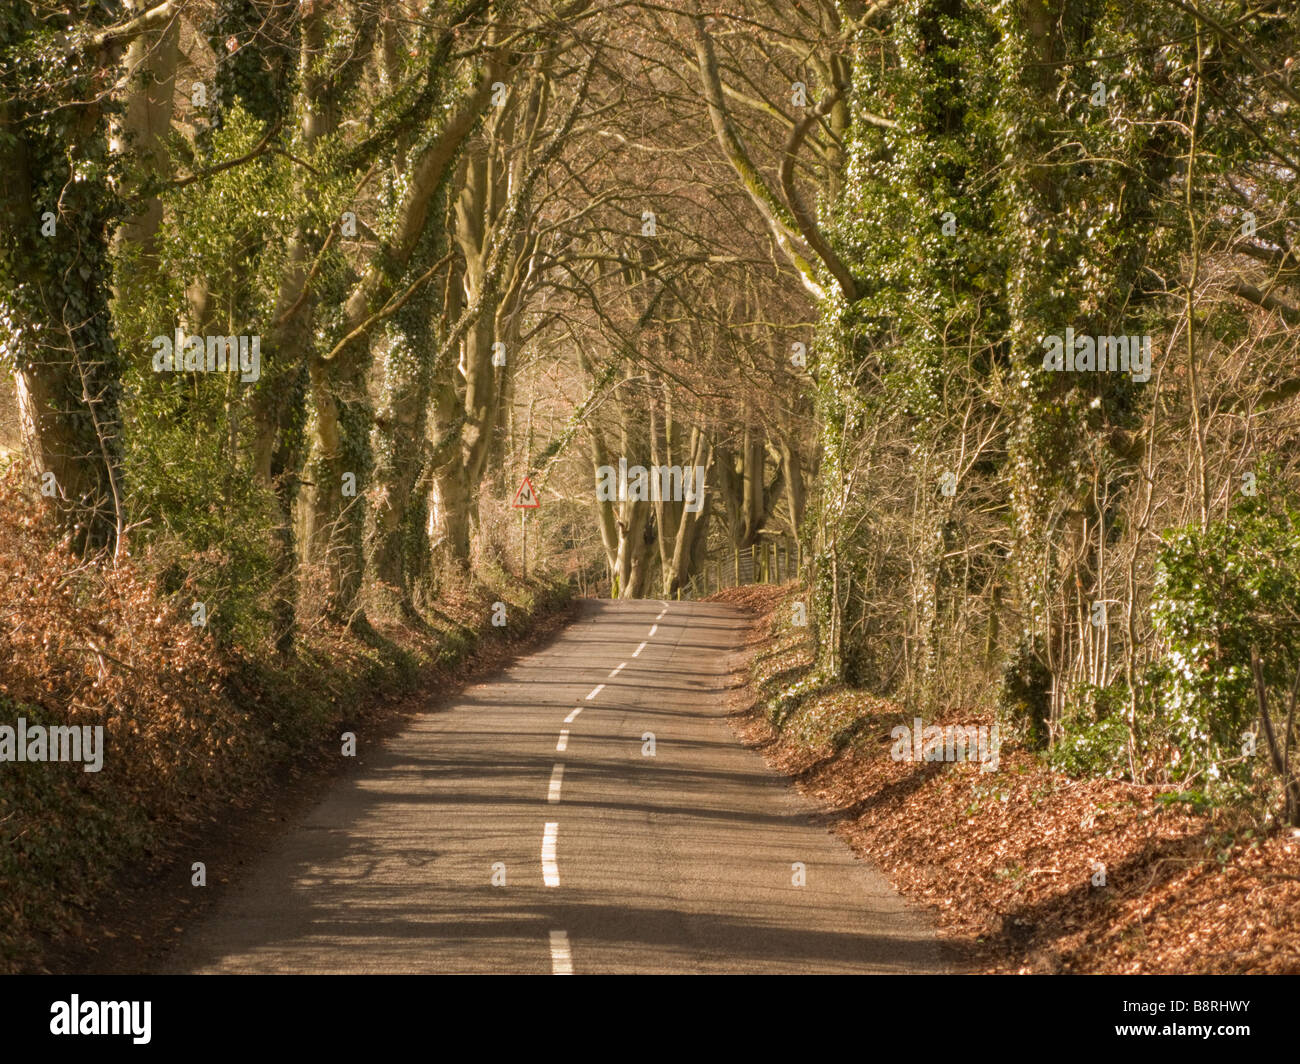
<point>1006,859</point>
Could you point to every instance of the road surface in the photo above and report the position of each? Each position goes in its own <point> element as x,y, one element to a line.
<point>599,782</point>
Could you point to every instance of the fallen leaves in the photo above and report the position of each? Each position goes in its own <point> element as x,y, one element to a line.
<point>1007,860</point>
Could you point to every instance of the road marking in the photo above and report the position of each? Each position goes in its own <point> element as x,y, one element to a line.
<point>618,670</point>
<point>653,628</point>
<point>564,741</point>
<point>557,774</point>
<point>550,870</point>
<point>594,693</point>
<point>637,652</point>
<point>661,614</point>
<point>573,716</point>
<point>561,957</point>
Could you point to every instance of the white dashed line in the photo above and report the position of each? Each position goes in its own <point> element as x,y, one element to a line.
<point>661,614</point>
<point>553,792</point>
<point>573,716</point>
<point>637,652</point>
<point>561,957</point>
<point>550,870</point>
<point>618,670</point>
<point>564,741</point>
<point>653,628</point>
<point>594,693</point>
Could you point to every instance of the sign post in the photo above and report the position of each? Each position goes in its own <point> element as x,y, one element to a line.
<point>525,499</point>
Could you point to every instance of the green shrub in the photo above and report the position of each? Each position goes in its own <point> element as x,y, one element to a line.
<point>1098,749</point>
<point>1218,592</point>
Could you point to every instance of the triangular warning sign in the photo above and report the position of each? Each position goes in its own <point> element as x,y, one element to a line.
<point>526,496</point>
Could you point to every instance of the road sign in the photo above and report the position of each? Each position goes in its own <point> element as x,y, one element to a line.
<point>526,496</point>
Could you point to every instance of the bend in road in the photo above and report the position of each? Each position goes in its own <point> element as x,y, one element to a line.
<point>587,811</point>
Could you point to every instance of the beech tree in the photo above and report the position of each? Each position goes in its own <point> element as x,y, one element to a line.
<point>831,253</point>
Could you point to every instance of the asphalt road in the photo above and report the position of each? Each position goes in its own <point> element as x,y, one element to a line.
<point>613,860</point>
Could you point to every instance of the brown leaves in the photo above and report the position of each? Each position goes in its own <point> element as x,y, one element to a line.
<point>1007,858</point>
<point>98,645</point>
